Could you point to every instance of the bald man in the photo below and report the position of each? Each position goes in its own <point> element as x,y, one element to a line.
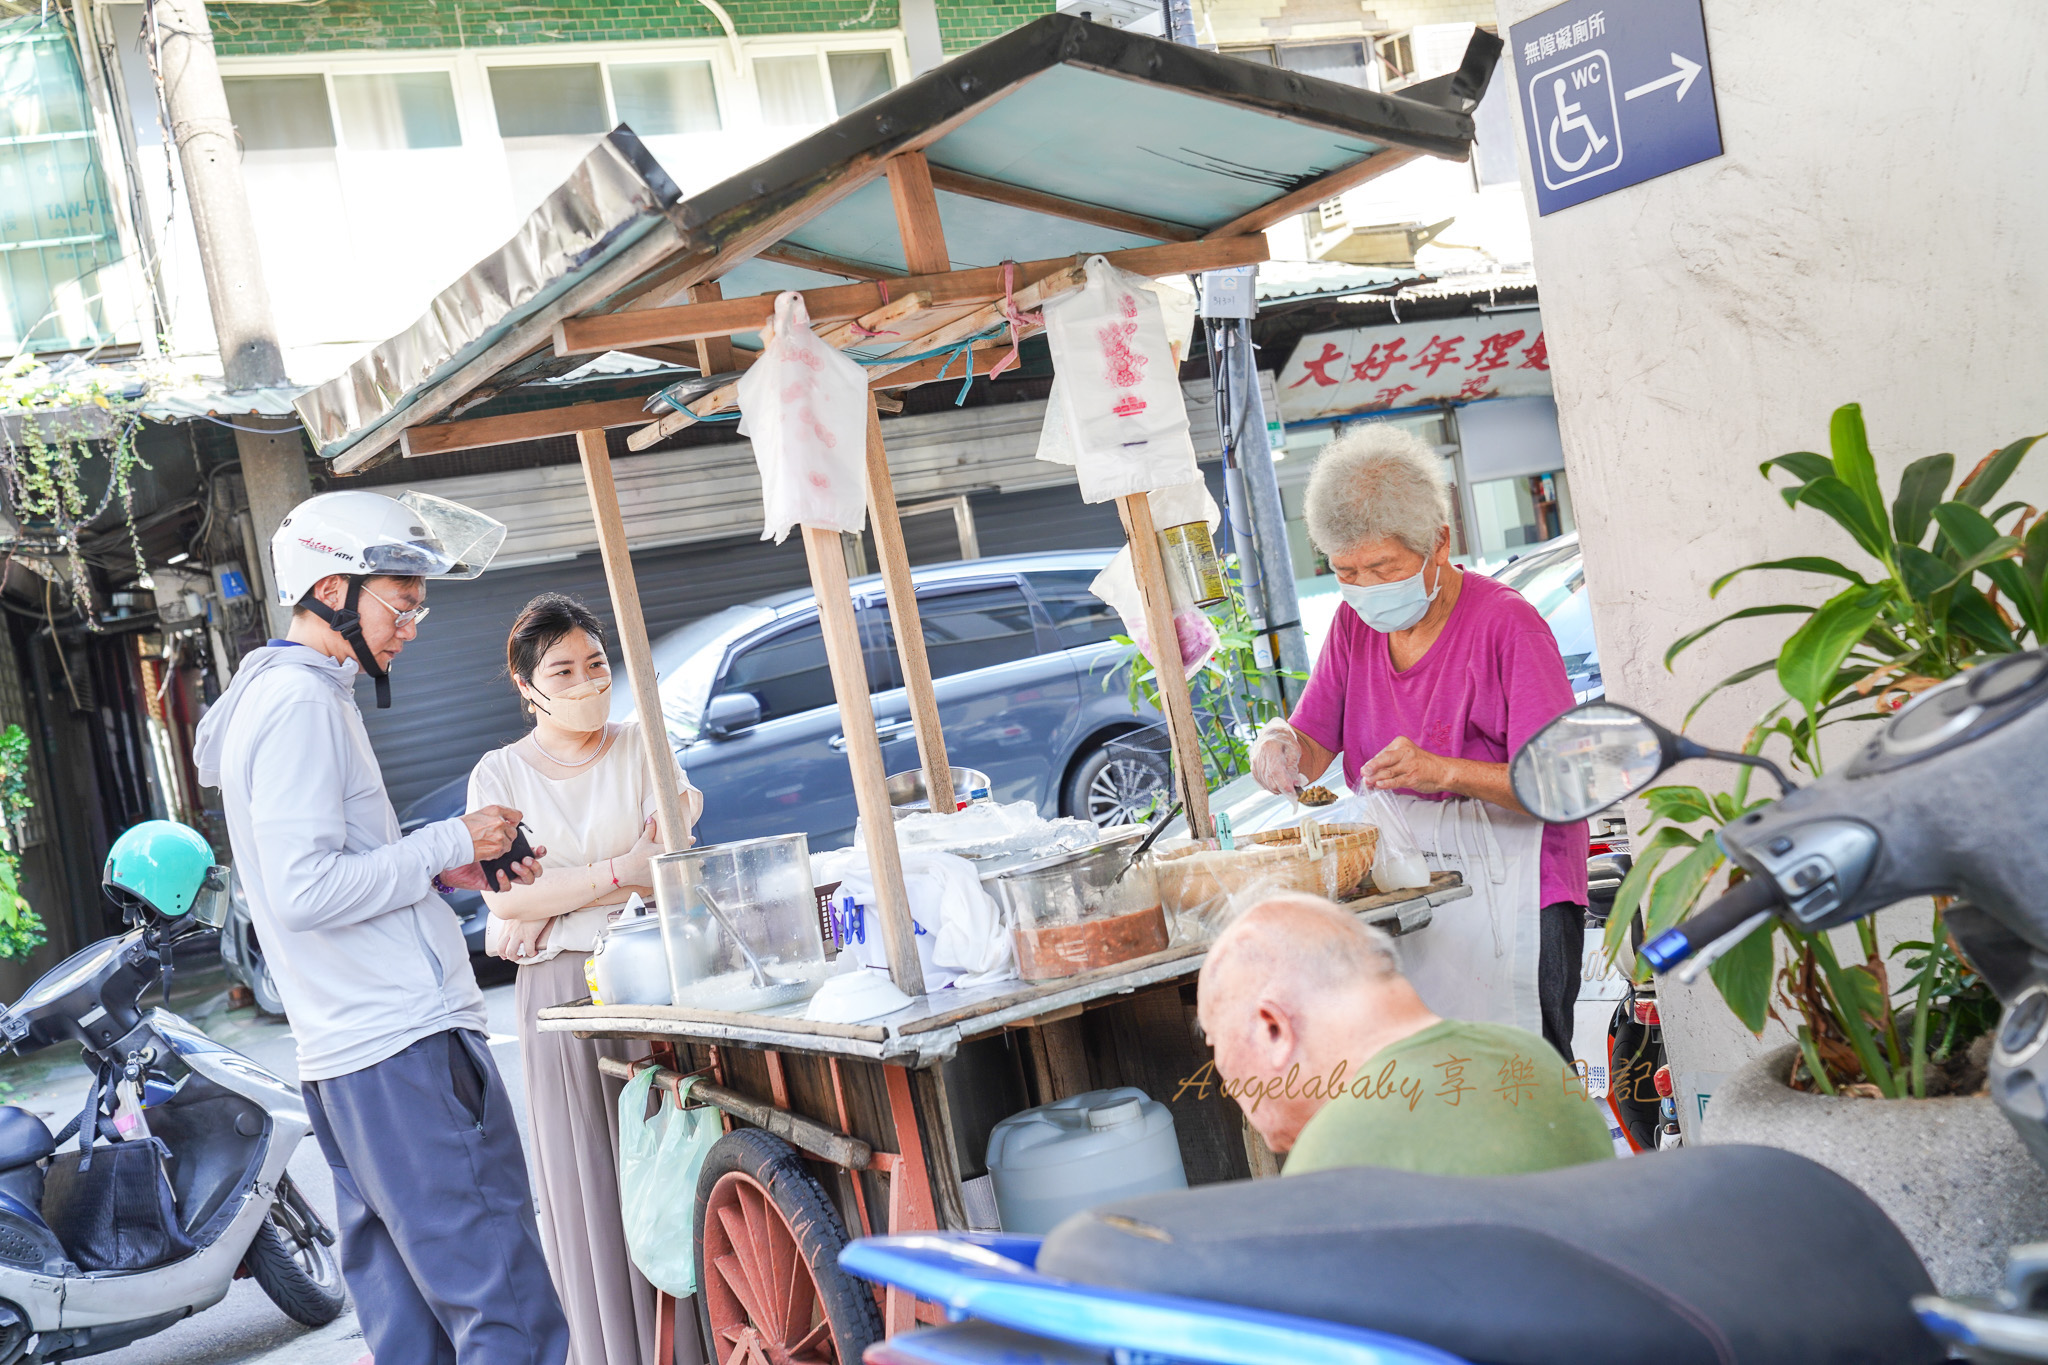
<point>1336,1061</point>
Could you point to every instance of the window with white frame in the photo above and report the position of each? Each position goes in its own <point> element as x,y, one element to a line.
<point>801,91</point>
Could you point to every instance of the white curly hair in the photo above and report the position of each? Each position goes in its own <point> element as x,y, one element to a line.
<point>1375,483</point>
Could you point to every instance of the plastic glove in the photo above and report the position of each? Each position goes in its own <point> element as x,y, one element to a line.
<point>1276,758</point>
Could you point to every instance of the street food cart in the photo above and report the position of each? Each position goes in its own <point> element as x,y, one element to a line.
<point>924,231</point>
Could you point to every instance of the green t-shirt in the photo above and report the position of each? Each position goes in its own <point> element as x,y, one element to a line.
<point>1458,1099</point>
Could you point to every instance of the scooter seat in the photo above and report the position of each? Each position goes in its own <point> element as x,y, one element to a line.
<point>24,1138</point>
<point>1720,1255</point>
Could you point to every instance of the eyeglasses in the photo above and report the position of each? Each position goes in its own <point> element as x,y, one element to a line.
<point>401,619</point>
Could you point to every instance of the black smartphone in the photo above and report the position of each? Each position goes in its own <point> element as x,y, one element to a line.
<point>501,866</point>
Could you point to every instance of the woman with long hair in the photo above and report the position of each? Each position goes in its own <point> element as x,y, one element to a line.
<point>582,781</point>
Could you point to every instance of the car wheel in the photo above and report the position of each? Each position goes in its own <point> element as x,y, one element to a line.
<point>1117,784</point>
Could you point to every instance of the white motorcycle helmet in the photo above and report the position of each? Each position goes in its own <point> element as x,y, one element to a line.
<point>365,534</point>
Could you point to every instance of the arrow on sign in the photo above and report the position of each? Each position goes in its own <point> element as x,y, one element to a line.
<point>1682,78</point>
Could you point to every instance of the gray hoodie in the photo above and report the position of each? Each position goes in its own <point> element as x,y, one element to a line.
<point>368,959</point>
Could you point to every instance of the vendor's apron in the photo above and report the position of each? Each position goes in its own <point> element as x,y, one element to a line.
<point>1476,960</point>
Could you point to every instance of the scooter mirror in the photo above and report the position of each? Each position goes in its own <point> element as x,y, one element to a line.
<point>1587,759</point>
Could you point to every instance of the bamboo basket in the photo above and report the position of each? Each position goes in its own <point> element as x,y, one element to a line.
<point>1201,887</point>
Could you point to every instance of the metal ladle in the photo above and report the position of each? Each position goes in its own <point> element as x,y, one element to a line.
<point>1151,836</point>
<point>762,981</point>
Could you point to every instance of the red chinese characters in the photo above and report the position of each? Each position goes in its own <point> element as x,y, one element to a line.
<point>1440,351</point>
<point>1475,388</point>
<point>1380,359</point>
<point>1386,398</point>
<point>1319,368</point>
<point>1537,357</point>
<point>1493,351</point>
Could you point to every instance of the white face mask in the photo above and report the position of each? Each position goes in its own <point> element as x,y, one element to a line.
<point>579,709</point>
<point>1388,607</point>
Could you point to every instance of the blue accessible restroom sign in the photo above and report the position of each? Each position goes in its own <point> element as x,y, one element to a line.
<point>1614,92</point>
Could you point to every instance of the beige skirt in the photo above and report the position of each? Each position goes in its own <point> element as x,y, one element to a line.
<point>574,1112</point>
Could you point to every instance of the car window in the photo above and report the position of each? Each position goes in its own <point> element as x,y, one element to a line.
<point>1081,617</point>
<point>963,631</point>
<point>786,672</point>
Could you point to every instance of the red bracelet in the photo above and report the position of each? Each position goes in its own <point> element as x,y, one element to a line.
<point>611,867</point>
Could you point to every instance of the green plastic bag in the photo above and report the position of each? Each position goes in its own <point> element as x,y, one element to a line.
<point>659,1159</point>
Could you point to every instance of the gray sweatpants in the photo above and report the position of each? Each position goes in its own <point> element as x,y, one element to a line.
<point>438,1242</point>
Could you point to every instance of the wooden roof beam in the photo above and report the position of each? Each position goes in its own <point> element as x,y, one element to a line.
<point>789,253</point>
<point>1316,191</point>
<point>843,303</point>
<point>1053,206</point>
<point>473,433</point>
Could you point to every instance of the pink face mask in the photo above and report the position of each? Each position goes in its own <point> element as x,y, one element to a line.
<point>579,709</point>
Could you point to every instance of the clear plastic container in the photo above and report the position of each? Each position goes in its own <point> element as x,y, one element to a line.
<point>740,924</point>
<point>1075,912</point>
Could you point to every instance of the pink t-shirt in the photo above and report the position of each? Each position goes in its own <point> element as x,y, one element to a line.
<point>1491,680</point>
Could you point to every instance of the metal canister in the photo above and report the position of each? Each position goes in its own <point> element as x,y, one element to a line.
<point>1194,575</point>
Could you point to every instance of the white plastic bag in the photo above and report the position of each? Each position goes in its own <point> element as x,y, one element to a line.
<point>1117,389</point>
<point>659,1160</point>
<point>804,405</point>
<point>959,933</point>
<point>1196,633</point>
<point>1397,864</point>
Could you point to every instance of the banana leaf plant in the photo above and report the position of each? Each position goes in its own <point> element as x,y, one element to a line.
<point>1945,589</point>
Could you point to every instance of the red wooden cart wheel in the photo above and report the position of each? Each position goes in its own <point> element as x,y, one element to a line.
<point>770,1290</point>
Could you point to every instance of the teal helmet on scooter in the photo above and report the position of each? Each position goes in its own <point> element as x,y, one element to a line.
<point>161,869</point>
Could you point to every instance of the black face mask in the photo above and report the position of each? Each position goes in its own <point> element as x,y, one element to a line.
<point>348,624</point>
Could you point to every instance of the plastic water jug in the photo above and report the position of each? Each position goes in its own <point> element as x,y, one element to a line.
<point>1088,1149</point>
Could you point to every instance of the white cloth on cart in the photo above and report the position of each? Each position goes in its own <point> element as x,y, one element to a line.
<point>1477,959</point>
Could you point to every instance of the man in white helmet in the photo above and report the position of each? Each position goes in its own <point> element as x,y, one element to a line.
<point>438,1242</point>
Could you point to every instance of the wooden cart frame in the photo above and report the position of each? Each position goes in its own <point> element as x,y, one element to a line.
<point>870,1106</point>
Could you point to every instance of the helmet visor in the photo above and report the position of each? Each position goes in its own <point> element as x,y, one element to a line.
<point>460,541</point>
<point>210,906</point>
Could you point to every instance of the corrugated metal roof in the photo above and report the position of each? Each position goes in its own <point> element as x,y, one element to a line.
<point>1134,141</point>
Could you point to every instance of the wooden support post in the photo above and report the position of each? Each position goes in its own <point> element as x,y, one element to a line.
<point>902,593</point>
<point>917,214</point>
<point>1257,1155</point>
<point>843,654</point>
<point>941,1160</point>
<point>714,354</point>
<point>1136,511</point>
<point>618,574</point>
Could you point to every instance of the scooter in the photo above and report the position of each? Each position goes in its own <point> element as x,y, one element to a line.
<point>1782,1260</point>
<point>118,1239</point>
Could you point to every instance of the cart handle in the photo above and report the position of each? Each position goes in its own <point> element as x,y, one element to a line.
<point>824,1143</point>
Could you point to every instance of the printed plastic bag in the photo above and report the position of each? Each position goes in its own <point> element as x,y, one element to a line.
<point>1118,585</point>
<point>1117,390</point>
<point>804,405</point>
<point>659,1159</point>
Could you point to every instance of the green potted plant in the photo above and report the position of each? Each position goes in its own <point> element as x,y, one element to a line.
<point>1944,589</point>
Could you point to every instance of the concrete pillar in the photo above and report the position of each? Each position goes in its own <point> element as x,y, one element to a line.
<point>921,35</point>
<point>273,460</point>
<point>1711,318</point>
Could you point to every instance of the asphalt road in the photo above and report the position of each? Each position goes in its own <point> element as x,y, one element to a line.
<point>245,1326</point>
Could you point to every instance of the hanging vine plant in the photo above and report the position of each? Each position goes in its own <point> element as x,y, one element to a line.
<point>21,929</point>
<point>63,430</point>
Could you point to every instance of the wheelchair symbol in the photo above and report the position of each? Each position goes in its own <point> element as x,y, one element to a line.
<point>1574,107</point>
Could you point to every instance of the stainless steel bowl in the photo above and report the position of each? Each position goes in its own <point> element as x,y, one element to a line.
<point>907,792</point>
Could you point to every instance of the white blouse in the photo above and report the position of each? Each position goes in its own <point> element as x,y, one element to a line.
<point>583,817</point>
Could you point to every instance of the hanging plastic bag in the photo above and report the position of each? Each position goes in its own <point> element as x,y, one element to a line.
<point>1118,388</point>
<point>804,405</point>
<point>659,1160</point>
<point>1195,632</point>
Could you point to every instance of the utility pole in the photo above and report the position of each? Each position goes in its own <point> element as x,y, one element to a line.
<point>273,455</point>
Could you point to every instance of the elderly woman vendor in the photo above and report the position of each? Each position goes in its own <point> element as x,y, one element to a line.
<point>1427,686</point>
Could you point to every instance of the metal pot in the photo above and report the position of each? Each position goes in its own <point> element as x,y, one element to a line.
<point>907,794</point>
<point>629,964</point>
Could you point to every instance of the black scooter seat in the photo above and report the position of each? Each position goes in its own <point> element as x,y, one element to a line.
<point>23,1137</point>
<point>1700,1256</point>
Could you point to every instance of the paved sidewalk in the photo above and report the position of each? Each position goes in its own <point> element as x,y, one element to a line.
<point>245,1327</point>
